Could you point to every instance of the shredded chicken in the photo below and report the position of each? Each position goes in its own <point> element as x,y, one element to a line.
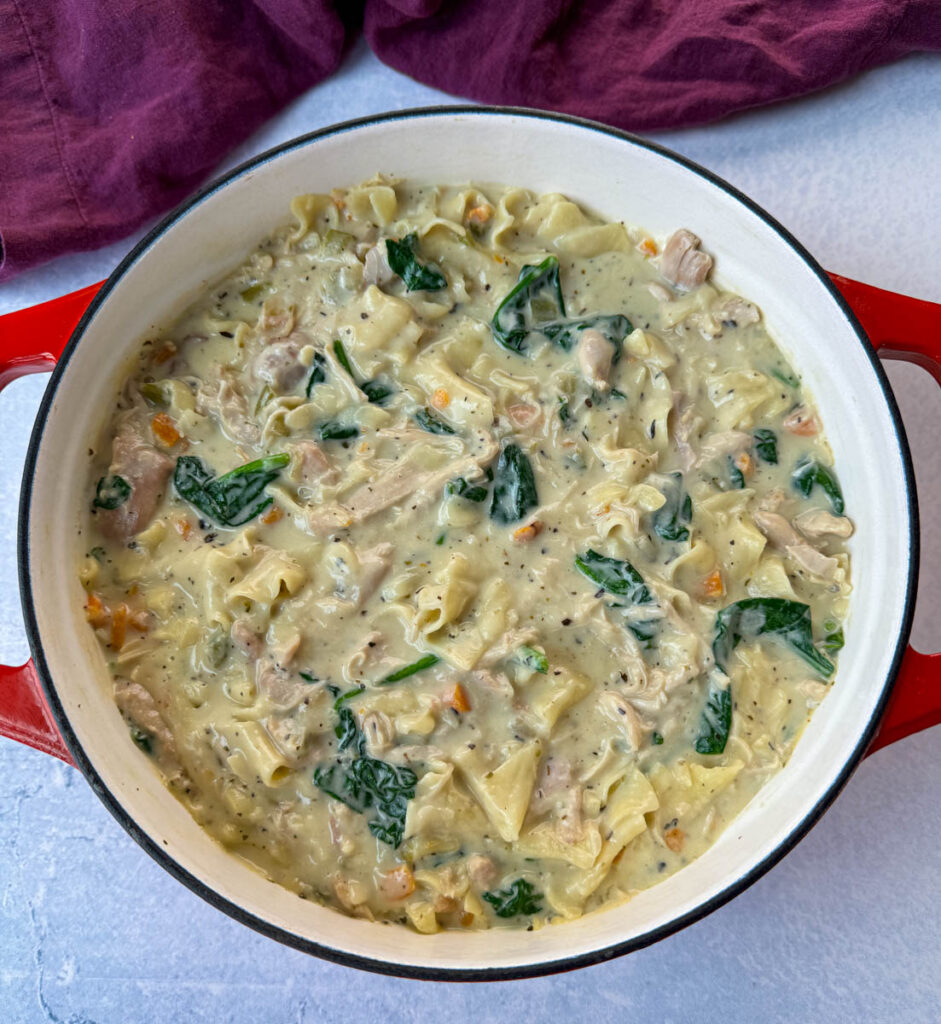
<point>818,522</point>
<point>146,470</point>
<point>246,639</point>
<point>725,443</point>
<point>379,732</point>
<point>392,486</point>
<point>139,707</point>
<point>279,365</point>
<point>309,463</point>
<point>683,263</point>
<point>222,400</point>
<point>376,265</point>
<point>595,355</point>
<point>620,711</point>
<point>783,535</point>
<point>523,416</point>
<point>736,312</point>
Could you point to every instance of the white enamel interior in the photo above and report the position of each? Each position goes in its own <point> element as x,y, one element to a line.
<point>620,179</point>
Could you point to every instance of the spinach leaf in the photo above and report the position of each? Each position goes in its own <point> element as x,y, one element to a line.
<point>614,576</point>
<point>533,659</point>
<point>678,509</point>
<point>472,492</point>
<point>142,739</point>
<point>342,358</point>
<point>809,473</point>
<point>789,621</point>
<point>716,721</point>
<point>426,661</point>
<point>736,476</point>
<point>233,498</point>
<point>514,486</point>
<point>318,373</point>
<point>416,275</point>
<point>428,421</point>
<point>347,731</point>
<point>615,327</point>
<point>656,739</point>
<point>766,444</point>
<point>334,430</point>
<point>535,304</point>
<point>519,898</point>
<point>111,492</point>
<point>368,785</point>
<point>377,392</point>
<point>646,632</point>
<point>564,414</point>
<point>784,377</point>
<point>536,298</point>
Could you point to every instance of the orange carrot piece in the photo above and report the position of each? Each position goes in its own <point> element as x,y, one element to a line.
<point>479,215</point>
<point>457,699</point>
<point>674,838</point>
<point>526,533</point>
<point>118,627</point>
<point>712,585</point>
<point>166,351</point>
<point>164,430</point>
<point>440,399</point>
<point>745,464</point>
<point>273,515</point>
<point>96,613</point>
<point>647,246</point>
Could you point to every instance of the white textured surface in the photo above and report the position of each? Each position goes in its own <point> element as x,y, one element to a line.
<point>847,927</point>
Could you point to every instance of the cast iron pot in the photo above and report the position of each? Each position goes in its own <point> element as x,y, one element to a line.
<point>60,701</point>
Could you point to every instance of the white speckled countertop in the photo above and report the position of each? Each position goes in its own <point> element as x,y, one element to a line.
<point>846,928</point>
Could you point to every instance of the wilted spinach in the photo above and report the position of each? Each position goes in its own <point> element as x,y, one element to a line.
<point>369,786</point>
<point>233,498</point>
<point>428,421</point>
<point>111,493</point>
<point>789,621</point>
<point>318,373</point>
<point>766,444</point>
<point>531,658</point>
<point>669,519</point>
<point>614,576</point>
<point>416,275</point>
<point>809,473</point>
<point>715,722</point>
<point>425,661</point>
<point>519,898</point>
<point>514,486</point>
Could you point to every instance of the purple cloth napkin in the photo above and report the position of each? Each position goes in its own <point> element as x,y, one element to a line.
<point>112,111</point>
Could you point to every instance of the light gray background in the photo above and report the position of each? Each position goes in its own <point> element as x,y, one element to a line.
<point>846,928</point>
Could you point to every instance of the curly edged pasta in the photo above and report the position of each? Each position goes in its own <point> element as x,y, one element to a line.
<point>463,559</point>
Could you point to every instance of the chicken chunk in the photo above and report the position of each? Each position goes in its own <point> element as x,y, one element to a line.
<point>595,356</point>
<point>146,470</point>
<point>279,365</point>
<point>683,263</point>
<point>818,522</point>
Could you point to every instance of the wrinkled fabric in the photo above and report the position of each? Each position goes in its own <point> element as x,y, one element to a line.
<point>112,111</point>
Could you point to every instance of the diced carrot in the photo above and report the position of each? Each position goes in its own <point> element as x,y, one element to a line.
<point>273,515</point>
<point>118,627</point>
<point>398,883</point>
<point>166,351</point>
<point>95,612</point>
<point>801,422</point>
<point>457,699</point>
<point>479,215</point>
<point>467,919</point>
<point>440,399</point>
<point>526,533</point>
<point>712,585</point>
<point>745,464</point>
<point>164,430</point>
<point>674,838</point>
<point>183,526</point>
<point>647,246</point>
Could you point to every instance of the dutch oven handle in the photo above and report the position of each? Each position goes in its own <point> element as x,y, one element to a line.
<point>898,326</point>
<point>31,341</point>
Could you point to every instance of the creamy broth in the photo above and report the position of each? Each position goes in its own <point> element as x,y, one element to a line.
<point>530,572</point>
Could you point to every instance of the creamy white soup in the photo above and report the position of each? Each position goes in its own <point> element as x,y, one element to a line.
<point>465,560</point>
